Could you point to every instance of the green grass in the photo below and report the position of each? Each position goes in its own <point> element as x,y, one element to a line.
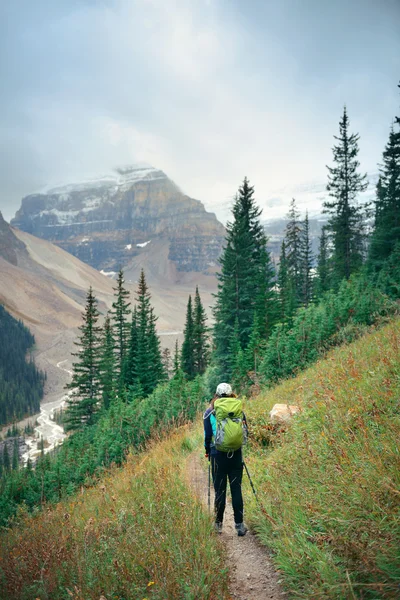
<point>330,485</point>
<point>140,534</point>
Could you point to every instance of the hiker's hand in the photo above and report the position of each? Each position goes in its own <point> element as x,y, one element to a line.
<point>207,456</point>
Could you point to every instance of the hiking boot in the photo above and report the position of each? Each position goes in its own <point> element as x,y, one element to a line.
<point>218,527</point>
<point>241,529</point>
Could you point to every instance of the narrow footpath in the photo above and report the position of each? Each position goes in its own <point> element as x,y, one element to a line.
<point>252,575</point>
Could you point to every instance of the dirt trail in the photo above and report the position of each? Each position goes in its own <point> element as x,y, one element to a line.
<point>252,575</point>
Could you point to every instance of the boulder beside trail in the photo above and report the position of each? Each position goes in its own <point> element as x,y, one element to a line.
<point>282,413</point>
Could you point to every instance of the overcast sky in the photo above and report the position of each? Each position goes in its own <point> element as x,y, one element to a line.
<point>207,90</point>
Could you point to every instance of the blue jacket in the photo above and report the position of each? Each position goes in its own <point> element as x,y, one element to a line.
<point>210,429</point>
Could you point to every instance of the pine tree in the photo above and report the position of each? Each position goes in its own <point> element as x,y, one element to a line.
<point>287,292</point>
<point>386,232</point>
<point>166,361</point>
<point>121,326</point>
<point>346,222</point>
<point>246,279</point>
<point>306,264</point>
<point>187,353</point>
<point>107,365</point>
<point>15,457</point>
<point>6,460</point>
<point>200,336</point>
<point>85,384</point>
<point>149,365</point>
<point>293,245</point>
<point>156,371</point>
<point>322,283</point>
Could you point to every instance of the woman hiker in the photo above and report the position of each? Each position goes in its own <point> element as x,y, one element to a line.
<point>225,430</point>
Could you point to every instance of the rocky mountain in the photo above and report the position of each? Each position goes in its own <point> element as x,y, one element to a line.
<point>110,221</point>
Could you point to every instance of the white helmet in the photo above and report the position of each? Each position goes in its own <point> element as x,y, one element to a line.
<point>223,389</point>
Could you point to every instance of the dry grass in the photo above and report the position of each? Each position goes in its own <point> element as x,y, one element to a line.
<point>139,534</point>
<point>330,485</point>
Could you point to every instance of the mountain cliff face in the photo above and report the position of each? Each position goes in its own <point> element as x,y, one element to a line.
<point>10,245</point>
<point>109,221</point>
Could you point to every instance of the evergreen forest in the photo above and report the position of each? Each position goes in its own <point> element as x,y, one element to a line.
<point>21,383</point>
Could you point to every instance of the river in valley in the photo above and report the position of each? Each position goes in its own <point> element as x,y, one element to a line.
<point>46,428</point>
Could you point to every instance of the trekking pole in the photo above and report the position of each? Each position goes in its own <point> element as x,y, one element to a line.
<point>260,506</point>
<point>209,486</point>
<point>251,483</point>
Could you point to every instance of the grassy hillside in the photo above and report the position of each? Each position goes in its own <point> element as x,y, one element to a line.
<point>140,534</point>
<point>329,489</point>
<point>330,485</point>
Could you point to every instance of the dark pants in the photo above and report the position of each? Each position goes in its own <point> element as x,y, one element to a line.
<point>227,466</point>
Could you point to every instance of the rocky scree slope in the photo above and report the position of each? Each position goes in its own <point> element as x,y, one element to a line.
<point>109,221</point>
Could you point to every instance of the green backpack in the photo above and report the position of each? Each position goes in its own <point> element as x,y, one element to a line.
<point>230,434</point>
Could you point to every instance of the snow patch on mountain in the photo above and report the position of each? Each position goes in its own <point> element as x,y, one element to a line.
<point>121,177</point>
<point>143,245</point>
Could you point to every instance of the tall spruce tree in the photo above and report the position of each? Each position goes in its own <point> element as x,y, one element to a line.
<point>83,402</point>
<point>246,279</point>
<point>347,219</point>
<point>293,247</point>
<point>15,457</point>
<point>166,361</point>
<point>200,336</point>
<point>386,232</point>
<point>187,352</point>
<point>286,287</point>
<point>157,373</point>
<point>107,365</point>
<point>306,264</point>
<point>148,362</point>
<point>6,460</point>
<point>322,281</point>
<point>120,325</point>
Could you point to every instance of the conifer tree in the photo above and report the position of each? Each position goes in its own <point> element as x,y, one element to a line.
<point>306,264</point>
<point>85,384</point>
<point>166,361</point>
<point>15,457</point>
<point>386,232</point>
<point>121,327</point>
<point>322,279</point>
<point>287,293</point>
<point>293,247</point>
<point>187,353</point>
<point>149,365</point>
<point>346,222</point>
<point>6,460</point>
<point>200,336</point>
<point>107,365</point>
<point>246,279</point>
<point>156,372</point>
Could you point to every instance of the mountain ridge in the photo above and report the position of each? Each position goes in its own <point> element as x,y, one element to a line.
<point>106,221</point>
